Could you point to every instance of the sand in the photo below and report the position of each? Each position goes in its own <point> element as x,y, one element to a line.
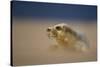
<point>31,46</point>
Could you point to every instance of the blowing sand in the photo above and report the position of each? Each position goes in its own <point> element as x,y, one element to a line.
<point>31,46</point>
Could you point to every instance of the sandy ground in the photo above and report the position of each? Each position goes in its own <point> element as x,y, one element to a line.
<point>31,46</point>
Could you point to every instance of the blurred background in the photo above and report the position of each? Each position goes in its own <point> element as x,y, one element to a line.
<point>30,43</point>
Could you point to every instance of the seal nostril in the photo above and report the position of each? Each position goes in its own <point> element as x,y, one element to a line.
<point>58,28</point>
<point>48,30</point>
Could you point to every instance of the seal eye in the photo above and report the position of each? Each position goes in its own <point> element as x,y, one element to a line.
<point>48,30</point>
<point>58,28</point>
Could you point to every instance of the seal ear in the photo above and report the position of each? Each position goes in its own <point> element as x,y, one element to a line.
<point>66,28</point>
<point>70,30</point>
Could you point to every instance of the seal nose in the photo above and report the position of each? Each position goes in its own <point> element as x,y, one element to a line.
<point>54,32</point>
<point>48,30</point>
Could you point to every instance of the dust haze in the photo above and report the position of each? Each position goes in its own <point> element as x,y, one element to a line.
<point>31,45</point>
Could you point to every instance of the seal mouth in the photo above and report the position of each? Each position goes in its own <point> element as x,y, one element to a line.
<point>51,36</point>
<point>52,33</point>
